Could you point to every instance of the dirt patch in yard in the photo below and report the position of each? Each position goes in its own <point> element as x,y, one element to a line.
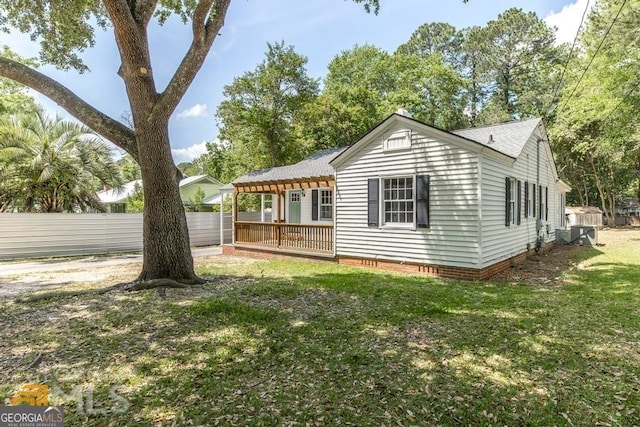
<point>553,266</point>
<point>69,276</point>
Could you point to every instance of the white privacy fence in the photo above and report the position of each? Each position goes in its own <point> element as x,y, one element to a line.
<point>43,235</point>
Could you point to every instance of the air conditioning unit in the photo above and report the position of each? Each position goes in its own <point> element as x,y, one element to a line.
<point>585,235</point>
<point>563,236</point>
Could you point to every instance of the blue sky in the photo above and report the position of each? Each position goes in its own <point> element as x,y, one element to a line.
<point>319,30</point>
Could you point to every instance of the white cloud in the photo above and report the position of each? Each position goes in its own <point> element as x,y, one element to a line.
<point>188,154</point>
<point>198,110</point>
<point>568,19</point>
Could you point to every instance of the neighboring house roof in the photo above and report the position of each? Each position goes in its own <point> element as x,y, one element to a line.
<point>316,165</point>
<point>118,195</point>
<point>197,178</point>
<point>213,200</point>
<point>506,138</point>
<point>227,188</point>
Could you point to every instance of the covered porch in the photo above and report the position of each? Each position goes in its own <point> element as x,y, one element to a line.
<point>301,219</point>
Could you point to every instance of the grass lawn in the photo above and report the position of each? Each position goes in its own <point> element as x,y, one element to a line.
<point>303,343</point>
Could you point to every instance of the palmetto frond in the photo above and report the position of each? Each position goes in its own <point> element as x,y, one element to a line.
<point>58,164</point>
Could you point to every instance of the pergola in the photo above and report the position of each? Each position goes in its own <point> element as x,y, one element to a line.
<point>313,172</point>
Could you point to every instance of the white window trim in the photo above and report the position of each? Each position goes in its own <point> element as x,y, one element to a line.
<point>396,225</point>
<point>530,204</point>
<point>513,201</point>
<point>320,204</point>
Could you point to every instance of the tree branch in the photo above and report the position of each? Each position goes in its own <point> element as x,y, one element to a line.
<point>99,122</point>
<point>208,19</point>
<point>143,11</point>
<point>133,46</point>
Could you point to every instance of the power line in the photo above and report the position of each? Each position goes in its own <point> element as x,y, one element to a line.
<point>624,98</point>
<point>595,54</point>
<point>566,65</point>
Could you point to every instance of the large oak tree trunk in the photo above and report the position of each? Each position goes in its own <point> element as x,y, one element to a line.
<point>166,252</point>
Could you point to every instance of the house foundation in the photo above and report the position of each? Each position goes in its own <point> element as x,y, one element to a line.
<point>443,271</point>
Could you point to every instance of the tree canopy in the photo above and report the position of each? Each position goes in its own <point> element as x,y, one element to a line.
<point>262,107</point>
<point>65,30</point>
<point>595,129</point>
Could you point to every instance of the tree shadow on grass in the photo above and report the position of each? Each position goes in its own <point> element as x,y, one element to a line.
<point>351,346</point>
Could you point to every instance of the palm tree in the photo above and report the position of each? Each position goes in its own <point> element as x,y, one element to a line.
<point>52,165</point>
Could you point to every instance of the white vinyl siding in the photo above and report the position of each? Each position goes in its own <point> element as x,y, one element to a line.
<point>500,242</point>
<point>452,236</point>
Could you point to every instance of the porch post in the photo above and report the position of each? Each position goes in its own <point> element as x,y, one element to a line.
<point>279,210</point>
<point>222,219</point>
<point>278,230</point>
<point>261,207</point>
<point>234,213</point>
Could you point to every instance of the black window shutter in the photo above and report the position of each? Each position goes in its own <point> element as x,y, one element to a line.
<point>507,185</point>
<point>546,203</point>
<point>526,199</point>
<point>533,193</point>
<point>422,201</point>
<point>314,205</point>
<point>373,193</point>
<point>519,201</point>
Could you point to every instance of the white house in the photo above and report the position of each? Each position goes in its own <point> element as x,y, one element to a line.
<point>409,196</point>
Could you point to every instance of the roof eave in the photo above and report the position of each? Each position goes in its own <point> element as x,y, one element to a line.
<point>425,128</point>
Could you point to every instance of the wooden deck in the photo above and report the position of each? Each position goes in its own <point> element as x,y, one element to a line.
<point>298,237</point>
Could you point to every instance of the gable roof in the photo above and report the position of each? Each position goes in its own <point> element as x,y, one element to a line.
<point>118,195</point>
<point>316,165</point>
<point>506,138</point>
<point>196,178</point>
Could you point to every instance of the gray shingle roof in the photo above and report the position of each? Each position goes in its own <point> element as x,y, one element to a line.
<point>506,138</point>
<point>315,165</point>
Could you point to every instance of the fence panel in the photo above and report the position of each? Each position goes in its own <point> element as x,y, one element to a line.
<point>43,235</point>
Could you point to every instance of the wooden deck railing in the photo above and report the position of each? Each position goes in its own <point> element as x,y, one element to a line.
<point>302,237</point>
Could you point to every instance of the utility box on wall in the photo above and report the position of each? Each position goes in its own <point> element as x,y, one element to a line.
<point>586,235</point>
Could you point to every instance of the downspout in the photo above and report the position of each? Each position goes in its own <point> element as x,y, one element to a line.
<point>539,218</point>
<point>480,260</point>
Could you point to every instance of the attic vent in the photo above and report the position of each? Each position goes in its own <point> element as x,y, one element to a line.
<point>399,140</point>
<point>403,112</point>
<point>491,139</point>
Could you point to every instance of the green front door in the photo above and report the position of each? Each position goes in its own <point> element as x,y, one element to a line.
<point>294,207</point>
